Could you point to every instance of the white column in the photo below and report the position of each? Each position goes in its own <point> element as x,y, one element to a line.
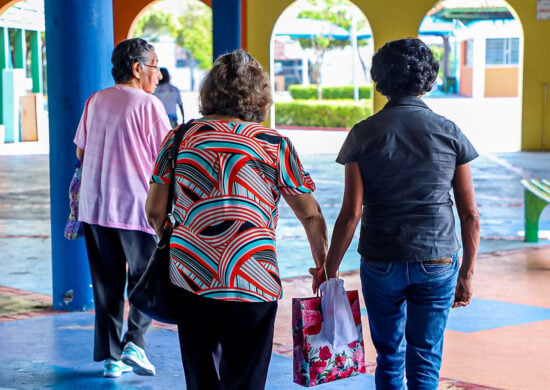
<point>305,70</point>
<point>478,88</point>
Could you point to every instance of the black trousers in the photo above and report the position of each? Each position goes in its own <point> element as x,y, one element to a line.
<point>225,345</point>
<point>116,256</point>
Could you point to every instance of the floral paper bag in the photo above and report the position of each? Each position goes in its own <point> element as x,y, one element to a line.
<point>315,360</point>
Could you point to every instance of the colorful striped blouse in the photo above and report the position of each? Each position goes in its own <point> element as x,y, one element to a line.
<point>229,180</point>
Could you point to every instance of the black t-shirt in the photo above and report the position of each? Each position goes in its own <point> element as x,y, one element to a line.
<point>407,156</point>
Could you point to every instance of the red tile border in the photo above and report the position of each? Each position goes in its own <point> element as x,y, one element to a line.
<point>173,328</point>
<point>445,383</point>
<point>47,299</point>
<point>30,296</point>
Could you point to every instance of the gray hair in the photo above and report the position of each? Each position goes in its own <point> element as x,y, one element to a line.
<point>125,55</point>
<point>236,86</point>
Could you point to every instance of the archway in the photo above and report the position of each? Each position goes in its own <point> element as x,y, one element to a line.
<point>320,55</point>
<point>181,32</point>
<point>481,70</point>
<point>127,12</point>
<point>22,72</point>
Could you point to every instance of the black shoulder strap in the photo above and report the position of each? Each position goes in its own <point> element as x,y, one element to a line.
<point>178,136</point>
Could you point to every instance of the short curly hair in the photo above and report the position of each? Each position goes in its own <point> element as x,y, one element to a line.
<point>125,55</point>
<point>236,86</point>
<point>405,67</point>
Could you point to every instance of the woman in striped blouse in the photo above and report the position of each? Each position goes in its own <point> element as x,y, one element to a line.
<point>230,174</point>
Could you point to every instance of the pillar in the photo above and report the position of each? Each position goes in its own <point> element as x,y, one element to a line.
<point>226,26</point>
<point>36,62</point>
<point>19,49</point>
<point>478,66</point>
<point>13,87</point>
<point>5,63</point>
<point>79,42</point>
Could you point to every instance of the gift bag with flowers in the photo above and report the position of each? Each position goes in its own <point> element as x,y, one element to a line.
<point>316,359</point>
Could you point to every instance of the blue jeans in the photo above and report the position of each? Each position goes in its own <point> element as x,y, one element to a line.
<point>408,304</point>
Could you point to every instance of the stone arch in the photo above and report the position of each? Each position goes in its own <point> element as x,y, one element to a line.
<point>127,12</point>
<point>5,4</point>
<point>390,20</point>
<point>279,85</point>
<point>491,93</point>
<point>535,126</point>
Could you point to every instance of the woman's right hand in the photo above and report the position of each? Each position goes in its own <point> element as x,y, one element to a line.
<point>315,279</point>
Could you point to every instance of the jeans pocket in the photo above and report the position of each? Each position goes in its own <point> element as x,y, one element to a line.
<point>432,268</point>
<point>379,268</point>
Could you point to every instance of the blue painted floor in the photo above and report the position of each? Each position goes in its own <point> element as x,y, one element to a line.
<point>25,213</point>
<point>55,352</point>
<point>487,314</point>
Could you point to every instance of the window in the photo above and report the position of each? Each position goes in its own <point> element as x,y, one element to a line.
<point>502,51</point>
<point>469,53</point>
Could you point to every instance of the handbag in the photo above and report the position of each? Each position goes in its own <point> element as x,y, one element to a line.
<point>73,227</point>
<point>318,359</point>
<point>154,295</point>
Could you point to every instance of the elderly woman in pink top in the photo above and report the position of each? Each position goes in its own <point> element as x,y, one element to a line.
<point>118,138</point>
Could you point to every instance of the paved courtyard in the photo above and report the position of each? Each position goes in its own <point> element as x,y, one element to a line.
<point>500,341</point>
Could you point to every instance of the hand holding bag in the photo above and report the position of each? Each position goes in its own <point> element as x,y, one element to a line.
<point>316,359</point>
<point>153,294</point>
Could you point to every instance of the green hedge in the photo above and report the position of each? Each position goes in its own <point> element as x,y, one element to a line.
<point>324,113</point>
<point>345,92</point>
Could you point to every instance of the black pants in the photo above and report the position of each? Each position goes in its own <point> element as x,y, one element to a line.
<point>109,251</point>
<point>225,345</point>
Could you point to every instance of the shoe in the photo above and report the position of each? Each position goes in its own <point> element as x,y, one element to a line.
<point>114,368</point>
<point>135,356</point>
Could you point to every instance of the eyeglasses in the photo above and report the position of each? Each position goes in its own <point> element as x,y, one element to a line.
<point>153,66</point>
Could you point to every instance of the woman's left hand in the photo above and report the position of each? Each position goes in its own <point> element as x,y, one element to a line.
<point>463,292</point>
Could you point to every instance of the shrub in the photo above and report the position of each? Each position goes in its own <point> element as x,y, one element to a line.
<point>344,92</point>
<point>324,113</point>
<point>302,92</point>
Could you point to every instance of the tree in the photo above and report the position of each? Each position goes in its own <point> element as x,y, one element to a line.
<point>155,24</point>
<point>192,30</point>
<point>337,12</point>
<point>194,33</point>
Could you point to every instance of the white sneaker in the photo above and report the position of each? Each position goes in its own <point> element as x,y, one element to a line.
<point>135,356</point>
<point>114,368</point>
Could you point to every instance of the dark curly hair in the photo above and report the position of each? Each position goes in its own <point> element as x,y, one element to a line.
<point>236,86</point>
<point>405,67</point>
<point>125,55</point>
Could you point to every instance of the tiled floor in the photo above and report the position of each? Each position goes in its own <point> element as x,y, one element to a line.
<point>502,340</point>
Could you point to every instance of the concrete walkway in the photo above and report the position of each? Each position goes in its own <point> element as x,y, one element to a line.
<point>500,341</point>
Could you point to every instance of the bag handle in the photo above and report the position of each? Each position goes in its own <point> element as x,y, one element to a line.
<point>179,132</point>
<point>326,273</point>
<point>319,292</point>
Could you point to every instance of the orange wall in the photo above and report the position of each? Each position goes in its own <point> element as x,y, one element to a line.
<point>5,4</point>
<point>501,81</point>
<point>466,81</point>
<point>126,12</point>
<point>466,84</point>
